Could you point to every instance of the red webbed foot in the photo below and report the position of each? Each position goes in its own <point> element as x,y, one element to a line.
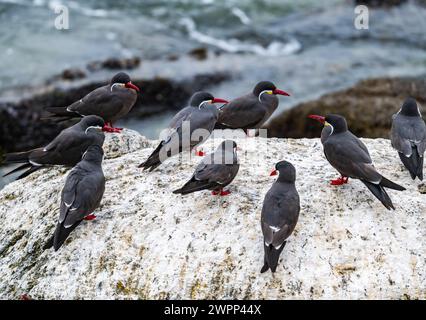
<point>339,181</point>
<point>108,127</point>
<point>200,153</point>
<point>90,217</point>
<point>221,192</point>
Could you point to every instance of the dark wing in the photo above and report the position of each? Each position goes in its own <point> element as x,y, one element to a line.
<point>81,195</point>
<point>208,175</point>
<point>101,101</point>
<point>407,132</point>
<point>197,119</point>
<point>67,139</point>
<point>348,155</point>
<point>66,149</point>
<point>280,213</point>
<point>421,145</point>
<point>179,117</point>
<point>175,126</point>
<point>408,136</point>
<point>244,112</point>
<point>402,134</point>
<point>221,174</point>
<point>171,144</point>
<point>361,145</point>
<point>205,118</point>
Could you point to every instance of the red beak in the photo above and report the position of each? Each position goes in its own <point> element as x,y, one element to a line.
<point>318,118</point>
<point>273,173</point>
<point>281,92</point>
<point>131,86</point>
<point>219,100</point>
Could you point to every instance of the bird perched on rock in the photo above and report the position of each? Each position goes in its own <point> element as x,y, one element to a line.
<point>350,157</point>
<point>252,110</point>
<point>189,127</point>
<point>111,102</point>
<point>408,137</point>
<point>66,149</point>
<point>81,195</point>
<point>215,172</point>
<point>280,213</point>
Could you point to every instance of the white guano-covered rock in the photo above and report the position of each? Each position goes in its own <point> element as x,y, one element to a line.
<point>149,243</point>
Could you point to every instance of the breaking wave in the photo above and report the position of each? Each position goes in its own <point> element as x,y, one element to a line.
<point>274,48</point>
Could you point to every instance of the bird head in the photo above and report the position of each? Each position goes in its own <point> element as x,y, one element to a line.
<point>200,98</point>
<point>267,87</point>
<point>336,122</point>
<point>122,79</point>
<point>410,108</point>
<point>92,122</point>
<point>286,171</point>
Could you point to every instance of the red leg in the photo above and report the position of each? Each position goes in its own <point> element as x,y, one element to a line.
<point>221,192</point>
<point>109,128</point>
<point>90,217</point>
<point>339,181</point>
<point>199,153</point>
<point>118,130</point>
<point>224,193</point>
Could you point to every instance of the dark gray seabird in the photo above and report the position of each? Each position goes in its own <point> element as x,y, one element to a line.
<point>66,149</point>
<point>348,155</point>
<point>215,172</point>
<point>408,137</point>
<point>189,127</point>
<point>81,195</point>
<point>280,213</point>
<point>252,110</point>
<point>110,102</point>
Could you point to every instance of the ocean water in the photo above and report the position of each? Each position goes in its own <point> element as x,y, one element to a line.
<point>32,49</point>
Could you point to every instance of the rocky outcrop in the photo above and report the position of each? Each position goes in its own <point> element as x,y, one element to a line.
<point>149,243</point>
<point>368,108</point>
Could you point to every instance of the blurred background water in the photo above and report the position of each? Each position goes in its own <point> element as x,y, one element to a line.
<point>31,48</point>
<point>307,47</point>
